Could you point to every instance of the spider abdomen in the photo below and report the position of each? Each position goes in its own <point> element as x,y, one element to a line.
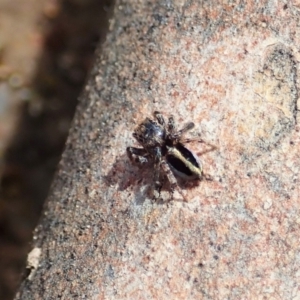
<point>183,162</point>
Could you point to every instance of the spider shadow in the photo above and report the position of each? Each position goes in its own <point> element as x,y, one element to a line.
<point>133,178</point>
<point>138,180</point>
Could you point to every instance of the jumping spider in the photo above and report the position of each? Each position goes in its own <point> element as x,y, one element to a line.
<point>164,146</point>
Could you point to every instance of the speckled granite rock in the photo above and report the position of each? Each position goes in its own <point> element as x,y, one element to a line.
<point>232,68</point>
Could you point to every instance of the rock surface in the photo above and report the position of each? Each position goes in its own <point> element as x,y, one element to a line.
<point>231,69</point>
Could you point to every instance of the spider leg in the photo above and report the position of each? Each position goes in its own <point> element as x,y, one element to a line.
<point>159,117</point>
<point>186,128</point>
<point>199,140</point>
<point>157,182</point>
<point>171,125</point>
<point>138,155</point>
<point>157,174</point>
<point>211,148</point>
<point>180,133</point>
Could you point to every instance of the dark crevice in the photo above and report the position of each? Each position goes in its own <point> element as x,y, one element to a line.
<point>31,158</point>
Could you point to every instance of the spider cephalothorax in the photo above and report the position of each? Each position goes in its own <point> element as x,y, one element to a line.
<point>165,147</point>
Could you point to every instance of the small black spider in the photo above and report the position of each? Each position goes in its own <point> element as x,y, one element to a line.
<point>164,146</point>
